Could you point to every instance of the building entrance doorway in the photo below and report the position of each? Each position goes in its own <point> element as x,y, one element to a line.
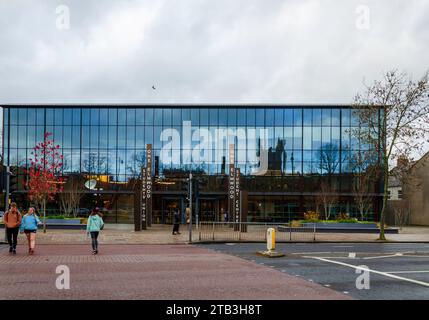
<point>168,207</point>
<point>209,209</point>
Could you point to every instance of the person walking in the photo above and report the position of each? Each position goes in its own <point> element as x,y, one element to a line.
<point>12,221</point>
<point>94,225</point>
<point>28,226</point>
<point>176,222</point>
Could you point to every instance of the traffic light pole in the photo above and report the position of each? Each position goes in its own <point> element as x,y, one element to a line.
<point>190,207</point>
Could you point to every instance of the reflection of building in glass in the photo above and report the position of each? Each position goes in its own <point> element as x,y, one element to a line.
<point>309,147</point>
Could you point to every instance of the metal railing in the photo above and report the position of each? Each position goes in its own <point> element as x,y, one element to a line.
<point>255,231</point>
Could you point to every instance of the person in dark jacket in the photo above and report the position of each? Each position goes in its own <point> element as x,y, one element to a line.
<point>176,222</point>
<point>12,221</point>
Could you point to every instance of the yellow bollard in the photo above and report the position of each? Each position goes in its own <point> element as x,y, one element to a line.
<point>271,245</point>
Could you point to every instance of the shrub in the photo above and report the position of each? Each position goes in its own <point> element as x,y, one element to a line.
<point>295,224</point>
<point>311,216</point>
<point>343,216</point>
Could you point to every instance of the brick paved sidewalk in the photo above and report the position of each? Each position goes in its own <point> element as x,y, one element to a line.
<point>147,272</point>
<point>161,234</point>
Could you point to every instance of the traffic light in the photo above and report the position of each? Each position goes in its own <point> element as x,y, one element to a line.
<point>13,183</point>
<point>3,178</point>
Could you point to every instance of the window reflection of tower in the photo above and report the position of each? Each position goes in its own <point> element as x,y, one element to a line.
<point>291,160</point>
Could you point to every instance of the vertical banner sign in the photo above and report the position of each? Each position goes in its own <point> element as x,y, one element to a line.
<point>143,209</point>
<point>237,204</point>
<point>148,186</point>
<point>231,184</point>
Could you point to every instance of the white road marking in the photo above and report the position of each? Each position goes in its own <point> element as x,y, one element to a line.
<point>388,256</point>
<point>419,271</point>
<point>342,246</point>
<point>425,284</point>
<point>352,255</point>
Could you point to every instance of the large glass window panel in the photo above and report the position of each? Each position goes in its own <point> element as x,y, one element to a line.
<point>149,114</point>
<point>148,135</point>
<point>326,135</point>
<point>297,137</point>
<point>355,117</point>
<point>241,117</point>
<point>326,117</point>
<point>50,116</point>
<point>269,117</point>
<point>68,116</point>
<point>166,118</point>
<point>186,114</point>
<point>345,117</point>
<point>131,117</point>
<point>140,116</point>
<point>104,137</point>
<point>308,116</point>
<point>317,138</point>
<point>31,116</point>
<point>131,137</point>
<point>232,117</point>
<point>288,117</point>
<point>113,117</point>
<point>112,137</point>
<point>67,137</point>
<point>122,136</point>
<point>156,137</point>
<point>40,114</point>
<point>76,114</point>
<point>278,117</point>
<point>307,138</point>
<point>94,137</point>
<point>335,119</point>
<point>317,117</point>
<point>13,116</point>
<point>204,117</point>
<point>251,118</point>
<point>22,116</point>
<point>176,115</point>
<point>335,131</point>
<point>122,117</point>
<point>288,132</point>
<point>76,137</point>
<point>39,134</point>
<point>157,121</point>
<point>223,117</point>
<point>58,116</point>
<point>260,117</point>
<point>214,119</point>
<point>345,138</point>
<point>31,136</point>
<point>86,116</point>
<point>22,137</point>
<point>104,117</point>
<point>195,117</point>
<point>140,141</point>
<point>297,117</point>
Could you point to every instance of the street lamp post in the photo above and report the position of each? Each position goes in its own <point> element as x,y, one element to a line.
<point>190,207</point>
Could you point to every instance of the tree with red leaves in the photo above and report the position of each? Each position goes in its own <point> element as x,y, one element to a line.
<point>44,175</point>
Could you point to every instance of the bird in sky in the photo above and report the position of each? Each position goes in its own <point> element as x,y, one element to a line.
<point>153,87</point>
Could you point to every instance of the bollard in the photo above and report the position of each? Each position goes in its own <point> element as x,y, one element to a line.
<point>271,239</point>
<point>271,245</point>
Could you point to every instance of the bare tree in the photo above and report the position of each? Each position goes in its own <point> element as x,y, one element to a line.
<point>72,194</point>
<point>329,161</point>
<point>401,210</point>
<point>365,176</point>
<point>327,197</point>
<point>393,114</point>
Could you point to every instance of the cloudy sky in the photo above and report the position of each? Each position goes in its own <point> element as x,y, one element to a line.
<point>304,51</point>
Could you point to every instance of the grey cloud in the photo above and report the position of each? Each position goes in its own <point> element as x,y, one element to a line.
<point>205,51</point>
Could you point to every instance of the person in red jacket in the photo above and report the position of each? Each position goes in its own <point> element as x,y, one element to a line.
<point>12,221</point>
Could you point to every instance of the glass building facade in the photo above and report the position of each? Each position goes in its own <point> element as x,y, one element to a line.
<point>107,144</point>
